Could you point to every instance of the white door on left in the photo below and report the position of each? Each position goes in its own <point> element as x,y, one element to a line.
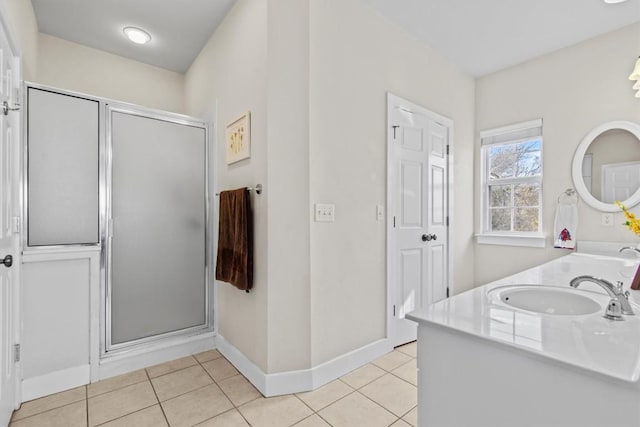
<point>9,242</point>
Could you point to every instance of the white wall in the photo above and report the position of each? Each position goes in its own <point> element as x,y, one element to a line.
<point>574,90</point>
<point>356,57</point>
<point>289,343</point>
<point>79,68</point>
<point>270,325</point>
<point>22,23</point>
<point>232,70</point>
<point>315,76</point>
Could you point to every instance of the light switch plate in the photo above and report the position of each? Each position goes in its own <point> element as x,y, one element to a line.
<point>325,212</point>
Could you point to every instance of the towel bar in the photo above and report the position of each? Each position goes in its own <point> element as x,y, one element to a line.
<point>257,189</point>
<point>566,195</point>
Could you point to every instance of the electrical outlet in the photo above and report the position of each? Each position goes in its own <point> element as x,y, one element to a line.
<point>325,212</point>
<point>379,212</point>
<point>607,219</point>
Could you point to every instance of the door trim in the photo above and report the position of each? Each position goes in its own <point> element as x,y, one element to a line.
<point>16,314</point>
<point>397,101</point>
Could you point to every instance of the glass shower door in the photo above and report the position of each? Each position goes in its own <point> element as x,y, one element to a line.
<point>157,246</point>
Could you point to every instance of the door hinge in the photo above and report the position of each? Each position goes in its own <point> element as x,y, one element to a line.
<point>15,224</point>
<point>394,130</point>
<point>447,149</point>
<point>16,353</point>
<point>16,96</point>
<point>394,221</point>
<point>447,292</point>
<point>394,310</point>
<point>447,220</point>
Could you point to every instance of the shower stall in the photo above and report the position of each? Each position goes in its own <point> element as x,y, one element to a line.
<point>156,246</point>
<point>117,235</point>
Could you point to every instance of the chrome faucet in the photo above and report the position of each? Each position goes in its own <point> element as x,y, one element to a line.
<point>614,291</point>
<point>629,248</point>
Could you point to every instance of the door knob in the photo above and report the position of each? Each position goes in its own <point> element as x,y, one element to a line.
<point>434,237</point>
<point>7,261</point>
<point>426,237</point>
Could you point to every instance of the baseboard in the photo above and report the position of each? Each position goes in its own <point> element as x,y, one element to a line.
<point>303,380</point>
<point>335,368</point>
<point>55,382</point>
<point>152,355</point>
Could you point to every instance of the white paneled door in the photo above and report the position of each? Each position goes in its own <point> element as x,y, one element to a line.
<point>620,181</point>
<point>9,250</point>
<point>418,209</point>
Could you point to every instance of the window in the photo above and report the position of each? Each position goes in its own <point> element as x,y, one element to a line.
<point>512,185</point>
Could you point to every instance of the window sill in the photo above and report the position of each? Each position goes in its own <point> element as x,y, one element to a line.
<point>527,240</point>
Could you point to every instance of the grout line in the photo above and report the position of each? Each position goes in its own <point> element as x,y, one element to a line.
<point>402,379</point>
<point>86,402</point>
<point>46,410</point>
<point>365,384</point>
<point>235,407</point>
<point>370,399</point>
<point>215,416</point>
<point>387,409</point>
<point>303,402</point>
<point>130,413</point>
<point>157,398</point>
<point>182,394</point>
<point>323,419</point>
<point>407,413</point>
<point>117,388</point>
<point>305,418</point>
<point>12,421</point>
<point>330,403</point>
<point>171,372</point>
<point>208,360</point>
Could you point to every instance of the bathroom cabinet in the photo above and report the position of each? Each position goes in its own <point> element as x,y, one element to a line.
<point>486,364</point>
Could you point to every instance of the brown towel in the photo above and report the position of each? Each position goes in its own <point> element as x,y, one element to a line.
<point>235,239</point>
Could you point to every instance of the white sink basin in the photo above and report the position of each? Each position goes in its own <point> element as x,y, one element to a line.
<point>546,299</point>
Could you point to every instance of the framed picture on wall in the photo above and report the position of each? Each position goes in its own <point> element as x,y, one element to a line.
<point>238,138</point>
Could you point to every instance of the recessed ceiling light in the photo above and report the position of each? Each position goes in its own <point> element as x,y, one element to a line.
<point>614,1</point>
<point>137,35</point>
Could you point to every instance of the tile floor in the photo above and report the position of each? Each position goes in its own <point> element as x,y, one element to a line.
<point>206,390</point>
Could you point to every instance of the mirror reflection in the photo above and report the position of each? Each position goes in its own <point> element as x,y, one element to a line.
<point>611,166</point>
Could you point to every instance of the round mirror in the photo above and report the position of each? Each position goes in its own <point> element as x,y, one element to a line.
<point>606,166</point>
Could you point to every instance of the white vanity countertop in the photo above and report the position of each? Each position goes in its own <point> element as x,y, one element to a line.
<point>586,341</point>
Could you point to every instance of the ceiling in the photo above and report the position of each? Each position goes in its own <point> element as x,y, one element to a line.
<point>483,36</point>
<point>179,28</point>
<point>479,36</point>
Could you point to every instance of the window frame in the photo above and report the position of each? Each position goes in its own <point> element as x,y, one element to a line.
<point>504,136</point>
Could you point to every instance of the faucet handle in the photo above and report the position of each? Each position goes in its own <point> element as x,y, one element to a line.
<point>619,286</point>
<point>614,310</point>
